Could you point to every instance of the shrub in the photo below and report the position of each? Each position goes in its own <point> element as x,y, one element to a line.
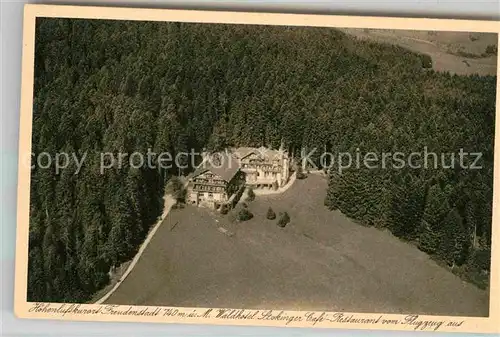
<point>270,214</point>
<point>176,189</point>
<point>426,61</point>
<point>300,173</point>
<point>491,50</point>
<point>224,209</point>
<point>244,214</point>
<point>250,195</point>
<point>284,219</point>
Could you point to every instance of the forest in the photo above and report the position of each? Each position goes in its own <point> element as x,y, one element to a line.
<point>126,86</point>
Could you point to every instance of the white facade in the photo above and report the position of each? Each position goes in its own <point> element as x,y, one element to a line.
<point>264,167</point>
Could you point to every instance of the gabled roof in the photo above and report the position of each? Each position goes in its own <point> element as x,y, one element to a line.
<point>242,152</point>
<point>221,164</point>
<point>263,152</point>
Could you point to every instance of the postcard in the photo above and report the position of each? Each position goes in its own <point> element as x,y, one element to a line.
<point>208,167</point>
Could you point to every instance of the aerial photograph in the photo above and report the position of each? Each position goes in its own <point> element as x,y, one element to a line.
<point>262,167</point>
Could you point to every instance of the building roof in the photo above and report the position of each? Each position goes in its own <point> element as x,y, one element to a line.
<point>242,152</point>
<point>221,163</point>
<point>262,151</point>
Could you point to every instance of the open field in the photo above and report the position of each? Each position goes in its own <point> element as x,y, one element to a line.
<point>320,261</point>
<point>457,52</point>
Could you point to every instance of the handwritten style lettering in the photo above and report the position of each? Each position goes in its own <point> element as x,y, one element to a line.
<point>311,318</point>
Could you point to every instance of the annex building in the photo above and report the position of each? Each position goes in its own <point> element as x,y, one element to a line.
<point>216,181</point>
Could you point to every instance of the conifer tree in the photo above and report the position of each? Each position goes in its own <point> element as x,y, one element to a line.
<point>270,214</point>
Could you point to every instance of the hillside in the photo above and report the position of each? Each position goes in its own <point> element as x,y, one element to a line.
<point>320,261</point>
<point>459,53</point>
<point>125,87</point>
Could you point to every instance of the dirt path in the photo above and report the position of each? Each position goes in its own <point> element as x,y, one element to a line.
<point>320,261</point>
<point>169,203</point>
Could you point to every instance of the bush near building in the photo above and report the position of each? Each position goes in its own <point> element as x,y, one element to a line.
<point>244,214</point>
<point>270,214</point>
<point>300,173</point>
<point>224,209</point>
<point>175,188</point>
<point>283,220</point>
<point>250,195</point>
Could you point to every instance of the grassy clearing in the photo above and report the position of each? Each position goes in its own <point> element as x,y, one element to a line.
<point>457,52</point>
<point>321,260</point>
